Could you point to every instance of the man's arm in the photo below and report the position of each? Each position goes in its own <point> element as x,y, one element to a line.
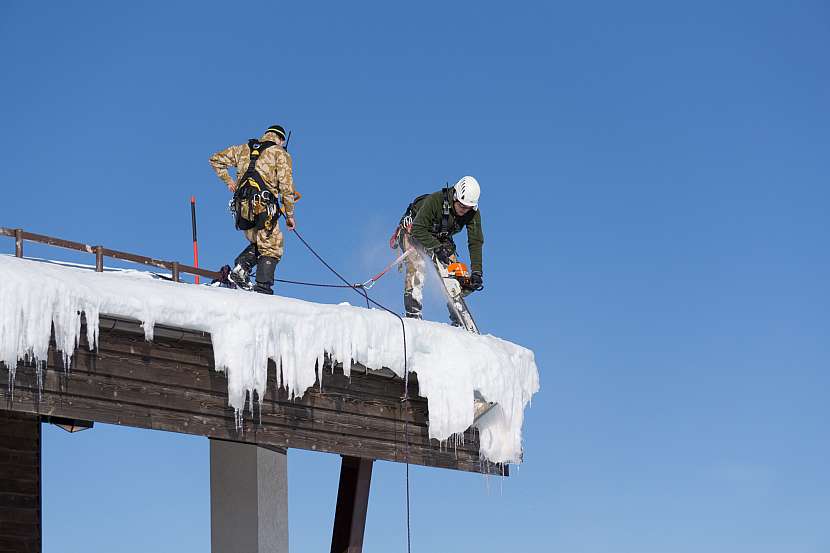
<point>285,183</point>
<point>221,161</point>
<point>429,211</point>
<point>475,242</point>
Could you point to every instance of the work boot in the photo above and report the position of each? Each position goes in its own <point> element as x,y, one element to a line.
<point>239,275</point>
<point>411,306</point>
<point>241,272</point>
<point>265,268</point>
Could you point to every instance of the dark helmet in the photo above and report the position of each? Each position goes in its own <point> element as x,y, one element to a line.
<point>277,129</point>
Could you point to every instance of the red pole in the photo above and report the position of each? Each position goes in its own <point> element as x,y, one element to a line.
<point>195,243</point>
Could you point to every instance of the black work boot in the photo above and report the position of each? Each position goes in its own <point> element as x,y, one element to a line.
<point>244,262</point>
<point>411,306</point>
<point>265,268</point>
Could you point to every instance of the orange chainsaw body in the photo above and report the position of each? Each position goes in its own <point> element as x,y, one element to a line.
<point>459,272</point>
<point>458,269</point>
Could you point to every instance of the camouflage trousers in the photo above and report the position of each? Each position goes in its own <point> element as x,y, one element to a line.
<point>413,285</point>
<point>413,289</point>
<point>269,241</point>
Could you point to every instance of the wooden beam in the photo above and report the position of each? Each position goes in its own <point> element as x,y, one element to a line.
<point>352,505</point>
<point>18,242</point>
<point>20,483</point>
<point>169,384</point>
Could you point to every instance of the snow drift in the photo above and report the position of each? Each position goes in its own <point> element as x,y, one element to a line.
<point>247,329</point>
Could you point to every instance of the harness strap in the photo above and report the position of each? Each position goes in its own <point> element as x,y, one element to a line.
<point>253,190</point>
<point>256,148</point>
<point>445,215</point>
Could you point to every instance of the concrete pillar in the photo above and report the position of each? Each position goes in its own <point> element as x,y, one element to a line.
<point>248,499</point>
<point>20,484</point>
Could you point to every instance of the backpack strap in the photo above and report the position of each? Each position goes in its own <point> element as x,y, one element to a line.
<point>411,211</point>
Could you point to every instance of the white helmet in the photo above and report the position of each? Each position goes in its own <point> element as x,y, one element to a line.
<point>467,191</point>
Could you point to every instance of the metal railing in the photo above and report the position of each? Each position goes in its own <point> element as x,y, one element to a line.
<point>100,252</point>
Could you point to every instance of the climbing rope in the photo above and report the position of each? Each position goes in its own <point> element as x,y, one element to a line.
<point>317,284</point>
<point>361,285</point>
<point>362,290</point>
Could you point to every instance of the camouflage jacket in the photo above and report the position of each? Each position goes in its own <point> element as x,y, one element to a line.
<point>274,165</point>
<point>427,222</point>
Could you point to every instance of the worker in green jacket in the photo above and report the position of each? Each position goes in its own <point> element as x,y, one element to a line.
<point>429,224</point>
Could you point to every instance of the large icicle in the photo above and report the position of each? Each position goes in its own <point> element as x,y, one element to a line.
<point>247,329</point>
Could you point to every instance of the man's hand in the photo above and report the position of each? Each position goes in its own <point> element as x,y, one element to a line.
<point>443,253</point>
<point>290,223</point>
<point>477,281</point>
<point>232,187</point>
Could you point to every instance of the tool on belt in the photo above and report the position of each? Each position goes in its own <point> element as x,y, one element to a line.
<point>253,204</point>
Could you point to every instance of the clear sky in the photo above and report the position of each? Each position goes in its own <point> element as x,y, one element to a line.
<point>655,199</point>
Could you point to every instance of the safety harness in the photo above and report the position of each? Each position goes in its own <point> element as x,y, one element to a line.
<point>442,229</point>
<point>253,192</point>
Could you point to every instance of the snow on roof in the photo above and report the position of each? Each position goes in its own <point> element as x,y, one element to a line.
<point>247,329</point>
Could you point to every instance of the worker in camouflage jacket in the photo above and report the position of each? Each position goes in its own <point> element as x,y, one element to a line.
<point>263,177</point>
<point>426,227</point>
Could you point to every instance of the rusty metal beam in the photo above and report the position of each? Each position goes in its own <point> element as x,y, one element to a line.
<point>352,505</point>
<point>101,252</point>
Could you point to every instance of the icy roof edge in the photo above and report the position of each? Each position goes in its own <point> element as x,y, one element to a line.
<point>247,329</point>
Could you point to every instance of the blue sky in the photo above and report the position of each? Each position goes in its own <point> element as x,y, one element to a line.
<point>655,206</point>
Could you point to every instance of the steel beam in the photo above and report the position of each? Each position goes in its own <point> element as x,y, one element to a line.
<point>352,505</point>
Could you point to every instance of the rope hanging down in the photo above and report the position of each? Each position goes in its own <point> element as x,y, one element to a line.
<point>362,290</point>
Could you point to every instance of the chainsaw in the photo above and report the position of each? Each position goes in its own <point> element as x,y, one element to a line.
<point>456,277</point>
<point>459,272</point>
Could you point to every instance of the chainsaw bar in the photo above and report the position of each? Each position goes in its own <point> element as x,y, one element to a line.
<point>454,278</point>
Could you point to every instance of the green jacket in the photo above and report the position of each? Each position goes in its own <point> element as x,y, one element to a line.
<point>427,225</point>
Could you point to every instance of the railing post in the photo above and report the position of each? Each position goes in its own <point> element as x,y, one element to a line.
<point>18,242</point>
<point>99,259</point>
<point>20,236</point>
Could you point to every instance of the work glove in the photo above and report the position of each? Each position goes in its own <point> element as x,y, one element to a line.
<point>477,281</point>
<point>443,253</point>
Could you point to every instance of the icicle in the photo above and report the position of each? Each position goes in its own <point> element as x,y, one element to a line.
<point>12,371</point>
<point>247,330</point>
<point>39,368</point>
